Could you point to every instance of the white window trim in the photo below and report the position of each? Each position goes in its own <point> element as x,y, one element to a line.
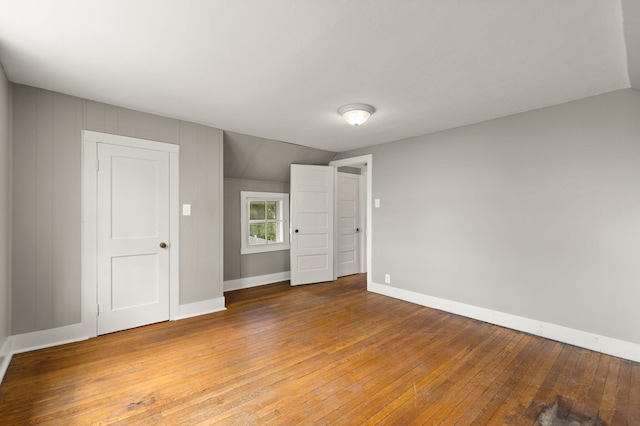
<point>245,248</point>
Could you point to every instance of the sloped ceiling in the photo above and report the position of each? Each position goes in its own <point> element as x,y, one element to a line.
<point>254,158</point>
<point>280,69</point>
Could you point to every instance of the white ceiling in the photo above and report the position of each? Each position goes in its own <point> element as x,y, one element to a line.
<point>280,69</point>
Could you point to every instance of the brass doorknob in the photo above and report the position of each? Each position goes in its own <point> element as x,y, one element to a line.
<point>163,245</point>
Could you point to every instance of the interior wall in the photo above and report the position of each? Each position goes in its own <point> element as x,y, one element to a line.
<point>631,16</point>
<point>47,201</point>
<point>350,170</point>
<point>5,208</point>
<point>252,163</point>
<point>248,265</point>
<point>201,234</point>
<point>253,158</point>
<point>534,214</point>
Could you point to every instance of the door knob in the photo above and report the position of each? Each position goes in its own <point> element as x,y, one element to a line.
<point>357,229</point>
<point>296,231</point>
<point>163,245</point>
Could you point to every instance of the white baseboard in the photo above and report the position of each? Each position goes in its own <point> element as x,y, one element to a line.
<point>5,357</point>
<point>256,281</point>
<point>199,308</point>
<point>76,332</point>
<point>46,338</point>
<point>583,339</point>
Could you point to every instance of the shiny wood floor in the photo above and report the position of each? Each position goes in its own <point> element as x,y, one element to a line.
<point>321,354</point>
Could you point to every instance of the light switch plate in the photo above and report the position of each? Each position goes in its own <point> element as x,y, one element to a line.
<point>186,210</point>
<point>376,203</point>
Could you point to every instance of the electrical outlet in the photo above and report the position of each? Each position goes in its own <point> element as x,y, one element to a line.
<point>376,203</point>
<point>387,278</point>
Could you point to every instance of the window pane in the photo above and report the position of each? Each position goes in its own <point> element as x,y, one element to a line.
<point>257,210</point>
<point>272,235</point>
<point>264,216</point>
<point>272,212</point>
<point>256,233</point>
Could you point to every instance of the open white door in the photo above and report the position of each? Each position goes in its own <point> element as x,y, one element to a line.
<point>312,217</point>
<point>132,237</point>
<point>348,224</point>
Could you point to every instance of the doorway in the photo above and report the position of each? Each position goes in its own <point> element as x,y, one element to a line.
<point>313,246</point>
<point>365,164</point>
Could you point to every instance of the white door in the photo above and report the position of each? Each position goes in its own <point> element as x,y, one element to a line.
<point>348,200</point>
<point>312,214</point>
<point>132,237</point>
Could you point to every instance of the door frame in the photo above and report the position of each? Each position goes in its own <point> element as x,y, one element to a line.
<point>90,140</point>
<point>367,160</point>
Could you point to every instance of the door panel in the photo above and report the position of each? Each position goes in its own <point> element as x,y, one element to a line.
<point>129,179</point>
<point>312,241</point>
<point>141,270</point>
<point>312,211</point>
<point>317,221</point>
<point>132,222</point>
<point>348,217</point>
<point>311,263</point>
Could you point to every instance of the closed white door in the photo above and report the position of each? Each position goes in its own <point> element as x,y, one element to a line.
<point>312,217</point>
<point>132,237</point>
<point>348,200</point>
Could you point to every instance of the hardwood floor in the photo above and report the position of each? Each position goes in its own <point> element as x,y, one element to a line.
<point>320,354</point>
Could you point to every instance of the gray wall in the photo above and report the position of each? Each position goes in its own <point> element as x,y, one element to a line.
<point>536,214</point>
<point>259,159</point>
<point>631,12</point>
<point>47,194</point>
<point>350,170</point>
<point>247,265</point>
<point>257,164</point>
<point>5,207</point>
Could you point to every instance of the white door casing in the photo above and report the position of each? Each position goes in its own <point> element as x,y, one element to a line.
<point>312,218</point>
<point>348,226</point>
<point>129,211</point>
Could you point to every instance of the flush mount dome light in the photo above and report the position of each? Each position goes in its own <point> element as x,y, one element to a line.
<point>356,114</point>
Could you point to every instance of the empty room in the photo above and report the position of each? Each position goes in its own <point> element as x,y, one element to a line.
<point>334,212</point>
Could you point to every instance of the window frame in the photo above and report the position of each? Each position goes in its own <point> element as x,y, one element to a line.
<point>245,199</point>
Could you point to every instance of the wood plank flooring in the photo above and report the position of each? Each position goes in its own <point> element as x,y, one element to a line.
<point>328,353</point>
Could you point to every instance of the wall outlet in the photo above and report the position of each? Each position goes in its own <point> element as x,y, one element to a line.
<point>186,210</point>
<point>376,203</point>
<point>387,278</point>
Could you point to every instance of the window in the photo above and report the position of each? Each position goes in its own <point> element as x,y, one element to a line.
<point>264,218</point>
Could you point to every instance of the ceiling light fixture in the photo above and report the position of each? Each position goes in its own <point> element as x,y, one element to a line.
<point>356,114</point>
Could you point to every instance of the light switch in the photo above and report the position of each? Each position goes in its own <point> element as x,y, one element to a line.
<point>186,210</point>
<point>376,203</point>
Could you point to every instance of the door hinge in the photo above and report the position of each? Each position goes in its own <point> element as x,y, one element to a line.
<point>97,165</point>
<point>100,308</point>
